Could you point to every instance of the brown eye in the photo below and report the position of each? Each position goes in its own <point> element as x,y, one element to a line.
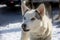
<point>32,19</point>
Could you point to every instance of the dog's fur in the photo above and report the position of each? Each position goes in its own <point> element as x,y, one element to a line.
<point>38,24</point>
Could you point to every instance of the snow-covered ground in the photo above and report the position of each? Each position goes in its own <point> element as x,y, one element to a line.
<point>56,33</point>
<point>13,32</point>
<point>56,25</point>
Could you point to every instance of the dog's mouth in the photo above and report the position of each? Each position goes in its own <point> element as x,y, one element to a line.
<point>26,30</point>
<point>24,27</point>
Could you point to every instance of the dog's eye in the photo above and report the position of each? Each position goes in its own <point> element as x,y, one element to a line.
<point>32,19</point>
<point>24,18</point>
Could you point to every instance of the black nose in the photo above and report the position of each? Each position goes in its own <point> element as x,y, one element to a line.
<point>23,26</point>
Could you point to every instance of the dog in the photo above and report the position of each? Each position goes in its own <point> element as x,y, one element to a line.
<point>36,24</point>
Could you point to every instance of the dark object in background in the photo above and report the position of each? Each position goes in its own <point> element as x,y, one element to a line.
<point>10,3</point>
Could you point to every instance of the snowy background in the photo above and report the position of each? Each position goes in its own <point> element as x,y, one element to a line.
<point>10,24</point>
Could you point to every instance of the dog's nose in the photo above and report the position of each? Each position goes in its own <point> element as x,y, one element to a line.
<point>23,25</point>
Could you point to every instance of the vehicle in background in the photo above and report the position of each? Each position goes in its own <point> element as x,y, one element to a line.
<point>10,3</point>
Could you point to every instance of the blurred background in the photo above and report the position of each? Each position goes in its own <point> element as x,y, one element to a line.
<point>11,17</point>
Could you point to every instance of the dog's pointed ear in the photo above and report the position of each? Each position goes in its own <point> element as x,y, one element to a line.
<point>24,8</point>
<point>41,9</point>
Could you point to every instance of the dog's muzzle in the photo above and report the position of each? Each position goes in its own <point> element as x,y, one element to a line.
<point>24,27</point>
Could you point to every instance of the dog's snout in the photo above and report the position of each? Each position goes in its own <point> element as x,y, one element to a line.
<point>23,25</point>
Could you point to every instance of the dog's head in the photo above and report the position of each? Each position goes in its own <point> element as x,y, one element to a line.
<point>32,18</point>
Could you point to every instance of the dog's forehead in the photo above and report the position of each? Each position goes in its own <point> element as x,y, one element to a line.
<point>30,13</point>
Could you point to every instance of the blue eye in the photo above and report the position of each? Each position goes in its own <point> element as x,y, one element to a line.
<point>24,18</point>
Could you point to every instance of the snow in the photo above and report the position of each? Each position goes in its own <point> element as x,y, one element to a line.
<point>16,35</point>
<point>11,32</point>
<point>11,36</point>
<point>56,33</point>
<point>10,26</point>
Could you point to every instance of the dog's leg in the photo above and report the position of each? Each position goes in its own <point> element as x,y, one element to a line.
<point>48,38</point>
<point>25,36</point>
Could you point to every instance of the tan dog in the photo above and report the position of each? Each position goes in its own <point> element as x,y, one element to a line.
<point>36,24</point>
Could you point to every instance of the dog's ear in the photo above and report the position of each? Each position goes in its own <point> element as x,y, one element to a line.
<point>24,8</point>
<point>41,9</point>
